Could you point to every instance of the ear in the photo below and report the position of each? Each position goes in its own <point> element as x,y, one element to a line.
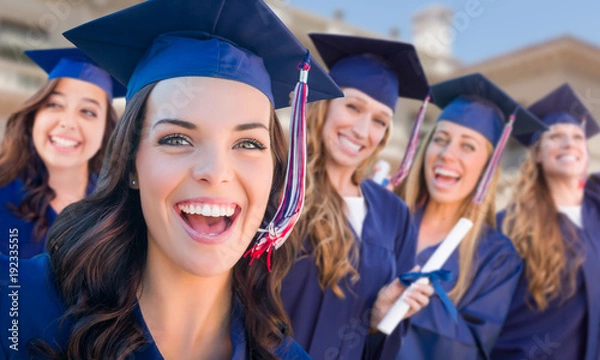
<point>133,182</point>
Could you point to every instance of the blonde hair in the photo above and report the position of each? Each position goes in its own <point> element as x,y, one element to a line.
<point>330,238</point>
<point>539,241</point>
<point>415,194</point>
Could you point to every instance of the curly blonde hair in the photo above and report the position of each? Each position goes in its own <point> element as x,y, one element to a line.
<point>538,240</point>
<point>323,224</point>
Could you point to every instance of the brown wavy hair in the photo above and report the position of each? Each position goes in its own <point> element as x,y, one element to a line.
<point>532,222</point>
<point>323,223</point>
<point>415,194</point>
<point>98,250</point>
<point>19,159</point>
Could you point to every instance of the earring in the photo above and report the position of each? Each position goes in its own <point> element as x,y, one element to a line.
<point>132,182</point>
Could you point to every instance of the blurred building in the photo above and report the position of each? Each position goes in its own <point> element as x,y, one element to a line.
<point>37,24</point>
<point>526,73</point>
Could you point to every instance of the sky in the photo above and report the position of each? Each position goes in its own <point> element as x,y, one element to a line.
<point>483,28</point>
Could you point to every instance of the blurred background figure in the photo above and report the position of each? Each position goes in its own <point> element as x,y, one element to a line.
<point>553,220</point>
<point>354,237</point>
<point>54,145</point>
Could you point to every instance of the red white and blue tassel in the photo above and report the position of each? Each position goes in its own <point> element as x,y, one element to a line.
<point>292,200</point>
<point>584,176</point>
<point>487,176</point>
<point>411,150</point>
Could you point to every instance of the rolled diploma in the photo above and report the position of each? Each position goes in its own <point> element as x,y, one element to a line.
<point>435,262</point>
<point>382,172</point>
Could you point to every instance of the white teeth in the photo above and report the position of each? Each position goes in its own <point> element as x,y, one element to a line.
<point>63,142</point>
<point>445,172</point>
<point>208,210</point>
<point>350,144</point>
<point>569,158</point>
<point>215,211</point>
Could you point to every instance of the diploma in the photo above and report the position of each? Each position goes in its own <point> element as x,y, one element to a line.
<point>383,169</point>
<point>435,262</point>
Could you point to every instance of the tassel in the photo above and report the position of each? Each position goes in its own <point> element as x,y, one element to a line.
<point>411,150</point>
<point>484,183</point>
<point>583,178</point>
<point>292,200</point>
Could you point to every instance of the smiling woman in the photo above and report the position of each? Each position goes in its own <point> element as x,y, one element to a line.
<point>354,237</point>
<point>54,145</point>
<point>151,265</point>
<point>554,220</point>
<point>454,176</point>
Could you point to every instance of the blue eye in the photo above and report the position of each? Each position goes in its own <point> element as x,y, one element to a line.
<point>175,140</point>
<point>250,144</point>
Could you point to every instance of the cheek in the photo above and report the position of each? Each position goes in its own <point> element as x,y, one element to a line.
<point>94,132</point>
<point>377,135</point>
<point>157,175</point>
<point>40,130</point>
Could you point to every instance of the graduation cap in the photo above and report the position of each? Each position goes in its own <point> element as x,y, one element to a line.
<point>72,63</point>
<point>383,69</point>
<point>239,40</point>
<point>231,39</point>
<point>477,103</point>
<point>561,106</point>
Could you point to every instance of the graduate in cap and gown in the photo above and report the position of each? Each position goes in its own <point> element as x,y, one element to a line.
<point>53,147</point>
<point>553,220</point>
<point>152,264</point>
<point>454,176</point>
<point>354,237</point>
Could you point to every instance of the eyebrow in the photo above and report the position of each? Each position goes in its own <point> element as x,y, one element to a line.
<point>85,98</point>
<point>462,135</point>
<point>250,126</point>
<point>355,98</point>
<point>184,124</point>
<point>190,126</point>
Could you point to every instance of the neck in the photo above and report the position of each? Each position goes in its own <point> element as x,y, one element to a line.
<point>341,179</point>
<point>187,314</point>
<point>69,185</point>
<point>438,219</point>
<point>565,191</point>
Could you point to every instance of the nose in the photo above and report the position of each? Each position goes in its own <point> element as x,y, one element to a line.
<point>360,127</point>
<point>67,120</point>
<point>568,141</point>
<point>212,165</point>
<point>448,151</point>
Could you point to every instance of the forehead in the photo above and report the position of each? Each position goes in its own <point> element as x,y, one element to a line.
<point>207,99</point>
<point>454,129</point>
<point>81,89</point>
<point>565,127</point>
<point>375,104</point>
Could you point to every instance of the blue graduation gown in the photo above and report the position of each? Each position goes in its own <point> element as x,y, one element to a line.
<point>567,328</point>
<point>40,311</point>
<point>23,241</point>
<point>433,334</point>
<point>332,328</point>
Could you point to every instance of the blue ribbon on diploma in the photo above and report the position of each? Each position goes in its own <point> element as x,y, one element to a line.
<point>434,277</point>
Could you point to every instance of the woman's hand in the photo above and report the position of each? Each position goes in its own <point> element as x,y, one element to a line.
<point>417,298</point>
